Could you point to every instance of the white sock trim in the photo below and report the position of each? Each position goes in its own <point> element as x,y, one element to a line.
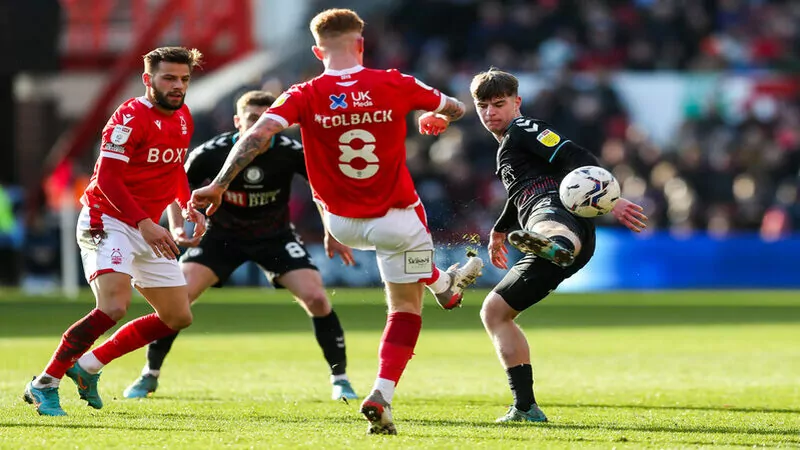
<point>386,388</point>
<point>90,363</point>
<point>335,378</point>
<point>442,284</point>
<point>51,381</point>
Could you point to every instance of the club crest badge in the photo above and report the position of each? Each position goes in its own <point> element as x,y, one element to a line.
<point>253,175</point>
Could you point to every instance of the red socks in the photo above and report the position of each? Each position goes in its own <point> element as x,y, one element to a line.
<point>131,336</point>
<point>77,340</point>
<point>397,344</point>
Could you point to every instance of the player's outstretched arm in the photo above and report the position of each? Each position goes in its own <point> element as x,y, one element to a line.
<point>434,123</point>
<point>453,109</point>
<point>630,214</point>
<point>252,144</point>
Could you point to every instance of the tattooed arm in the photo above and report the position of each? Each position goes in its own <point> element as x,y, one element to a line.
<point>434,123</point>
<point>453,109</point>
<point>254,142</point>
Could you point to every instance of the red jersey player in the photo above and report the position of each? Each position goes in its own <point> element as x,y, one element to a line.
<point>352,121</point>
<point>139,172</point>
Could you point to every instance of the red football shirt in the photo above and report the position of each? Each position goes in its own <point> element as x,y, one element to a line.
<point>154,146</point>
<point>353,125</point>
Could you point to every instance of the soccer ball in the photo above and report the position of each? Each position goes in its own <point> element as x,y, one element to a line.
<point>589,191</point>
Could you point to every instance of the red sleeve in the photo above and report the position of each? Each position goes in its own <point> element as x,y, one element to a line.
<point>184,193</point>
<point>111,184</point>
<point>287,108</point>
<point>122,133</point>
<point>421,96</point>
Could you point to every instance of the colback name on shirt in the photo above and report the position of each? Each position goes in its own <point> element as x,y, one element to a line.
<point>361,118</point>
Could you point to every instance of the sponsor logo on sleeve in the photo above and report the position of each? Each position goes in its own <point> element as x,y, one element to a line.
<point>120,134</point>
<point>113,148</point>
<point>548,138</point>
<point>420,261</point>
<point>126,118</point>
<point>280,100</point>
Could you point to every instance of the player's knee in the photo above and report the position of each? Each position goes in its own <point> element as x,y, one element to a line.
<point>116,311</point>
<point>178,320</point>
<point>316,303</point>
<point>194,294</point>
<point>495,311</point>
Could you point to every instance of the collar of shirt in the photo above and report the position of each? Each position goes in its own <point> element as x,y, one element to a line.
<point>349,71</point>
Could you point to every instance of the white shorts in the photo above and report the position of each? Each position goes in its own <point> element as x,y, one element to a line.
<point>110,245</point>
<point>401,240</point>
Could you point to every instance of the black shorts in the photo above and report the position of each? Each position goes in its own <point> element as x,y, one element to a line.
<point>531,279</point>
<point>276,256</point>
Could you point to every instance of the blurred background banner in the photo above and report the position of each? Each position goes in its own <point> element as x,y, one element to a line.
<point>693,105</point>
<point>622,261</point>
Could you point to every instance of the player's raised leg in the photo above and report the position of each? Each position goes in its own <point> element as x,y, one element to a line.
<point>548,239</point>
<point>307,288</point>
<point>198,278</point>
<point>448,287</point>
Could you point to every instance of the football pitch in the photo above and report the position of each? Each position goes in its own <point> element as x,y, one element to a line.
<point>614,370</point>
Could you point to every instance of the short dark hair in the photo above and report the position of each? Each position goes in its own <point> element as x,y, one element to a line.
<point>493,83</point>
<point>179,55</point>
<point>254,98</point>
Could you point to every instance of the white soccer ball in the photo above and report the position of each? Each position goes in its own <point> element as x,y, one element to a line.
<point>589,191</point>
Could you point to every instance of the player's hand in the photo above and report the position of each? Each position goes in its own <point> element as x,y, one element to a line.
<point>432,123</point>
<point>159,239</point>
<point>181,238</point>
<point>498,252</point>
<point>208,197</point>
<point>199,221</point>
<point>332,247</point>
<point>179,234</point>
<point>630,214</point>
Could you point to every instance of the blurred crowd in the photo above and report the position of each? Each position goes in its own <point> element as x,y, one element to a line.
<point>549,35</point>
<point>719,174</point>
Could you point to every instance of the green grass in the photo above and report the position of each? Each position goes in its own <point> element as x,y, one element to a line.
<point>624,370</point>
